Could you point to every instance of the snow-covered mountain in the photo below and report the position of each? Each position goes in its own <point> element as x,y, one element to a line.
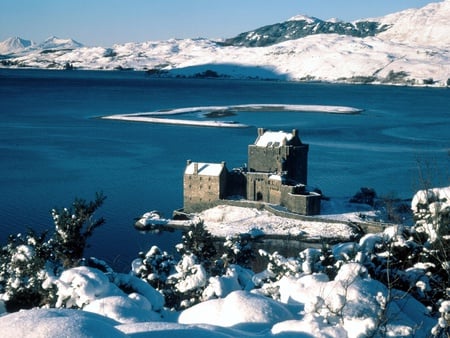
<point>409,47</point>
<point>54,43</point>
<point>301,26</point>
<point>427,26</point>
<point>14,45</point>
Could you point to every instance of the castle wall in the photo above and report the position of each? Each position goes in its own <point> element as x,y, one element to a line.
<point>276,174</point>
<point>257,189</point>
<point>236,184</point>
<point>266,159</point>
<point>296,164</point>
<point>291,159</point>
<point>201,192</point>
<point>308,204</point>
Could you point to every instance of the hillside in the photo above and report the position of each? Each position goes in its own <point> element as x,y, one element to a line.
<point>301,26</point>
<point>409,47</point>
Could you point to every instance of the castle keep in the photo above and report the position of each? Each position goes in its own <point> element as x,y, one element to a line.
<point>276,173</point>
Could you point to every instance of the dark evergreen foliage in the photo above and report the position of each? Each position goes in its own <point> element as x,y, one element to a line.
<point>238,249</point>
<point>199,242</point>
<point>365,196</point>
<point>295,29</point>
<point>73,227</point>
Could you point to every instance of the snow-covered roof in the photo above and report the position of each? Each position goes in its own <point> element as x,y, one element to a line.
<point>205,169</point>
<point>274,139</point>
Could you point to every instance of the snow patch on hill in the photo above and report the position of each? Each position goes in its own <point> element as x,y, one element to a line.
<point>427,26</point>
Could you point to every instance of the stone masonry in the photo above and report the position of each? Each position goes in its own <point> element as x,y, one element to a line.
<point>276,173</point>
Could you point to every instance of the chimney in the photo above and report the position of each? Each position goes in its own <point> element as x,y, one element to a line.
<point>261,131</point>
<point>195,168</point>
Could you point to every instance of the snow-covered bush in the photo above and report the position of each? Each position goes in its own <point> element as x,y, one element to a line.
<point>278,266</point>
<point>22,270</point>
<point>239,250</point>
<point>73,227</point>
<point>308,261</point>
<point>154,267</point>
<point>27,261</point>
<point>431,209</point>
<point>188,278</point>
<point>201,273</point>
<point>442,328</point>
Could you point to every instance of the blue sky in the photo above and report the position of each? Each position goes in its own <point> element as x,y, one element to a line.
<point>105,22</point>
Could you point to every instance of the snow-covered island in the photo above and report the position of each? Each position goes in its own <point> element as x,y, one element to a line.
<point>335,292</point>
<point>162,116</point>
<point>411,47</point>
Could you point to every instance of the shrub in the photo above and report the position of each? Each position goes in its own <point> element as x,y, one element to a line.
<point>364,196</point>
<point>27,261</point>
<point>239,250</point>
<point>22,263</point>
<point>73,227</point>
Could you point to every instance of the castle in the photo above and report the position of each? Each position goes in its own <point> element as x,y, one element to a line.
<point>276,174</point>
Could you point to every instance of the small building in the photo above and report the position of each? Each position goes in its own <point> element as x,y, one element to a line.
<point>204,184</point>
<point>276,174</point>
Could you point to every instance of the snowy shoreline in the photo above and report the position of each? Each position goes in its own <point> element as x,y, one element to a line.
<point>155,116</point>
<point>341,221</point>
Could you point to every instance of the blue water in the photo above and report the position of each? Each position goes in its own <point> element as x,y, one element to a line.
<point>54,148</point>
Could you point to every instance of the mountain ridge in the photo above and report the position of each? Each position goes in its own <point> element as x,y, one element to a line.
<point>300,27</point>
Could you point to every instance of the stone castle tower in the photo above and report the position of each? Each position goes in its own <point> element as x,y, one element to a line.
<point>276,173</point>
<point>278,155</point>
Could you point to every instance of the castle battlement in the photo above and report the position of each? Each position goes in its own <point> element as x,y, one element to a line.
<point>276,173</point>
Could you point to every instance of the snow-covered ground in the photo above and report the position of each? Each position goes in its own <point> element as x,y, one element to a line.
<point>242,303</point>
<point>415,50</point>
<point>352,305</point>
<point>225,220</point>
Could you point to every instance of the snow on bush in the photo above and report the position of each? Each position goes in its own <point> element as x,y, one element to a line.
<point>92,290</point>
<point>235,278</point>
<point>132,309</point>
<point>80,286</point>
<point>431,208</point>
<point>353,289</point>
<point>136,285</point>
<point>239,307</point>
<point>443,325</point>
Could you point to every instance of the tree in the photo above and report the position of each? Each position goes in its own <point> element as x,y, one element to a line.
<point>73,227</point>
<point>22,262</point>
<point>26,262</point>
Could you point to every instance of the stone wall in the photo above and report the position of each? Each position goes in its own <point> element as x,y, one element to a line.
<point>202,191</point>
<point>276,173</point>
